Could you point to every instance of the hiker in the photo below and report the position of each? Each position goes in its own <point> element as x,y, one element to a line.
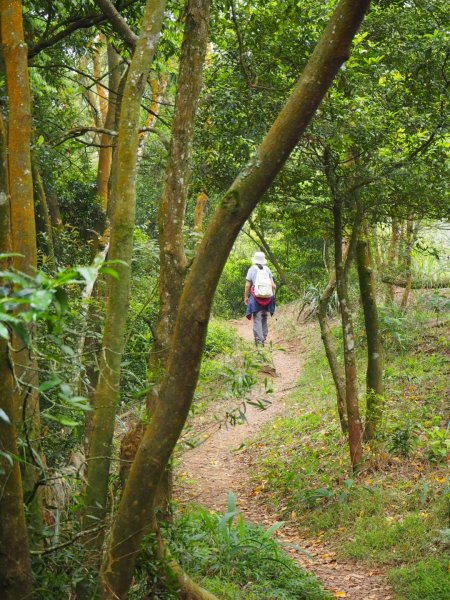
<point>259,296</point>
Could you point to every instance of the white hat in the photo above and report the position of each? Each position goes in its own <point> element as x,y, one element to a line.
<point>259,259</point>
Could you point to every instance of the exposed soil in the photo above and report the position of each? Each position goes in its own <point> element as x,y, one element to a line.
<point>220,464</point>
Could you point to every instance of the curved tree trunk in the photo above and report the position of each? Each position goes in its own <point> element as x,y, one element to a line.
<point>135,512</point>
<point>122,227</point>
<point>374,378</point>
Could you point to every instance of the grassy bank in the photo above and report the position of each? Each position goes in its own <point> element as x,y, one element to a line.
<point>395,513</point>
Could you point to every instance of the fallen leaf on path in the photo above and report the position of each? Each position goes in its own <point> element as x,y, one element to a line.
<point>340,595</point>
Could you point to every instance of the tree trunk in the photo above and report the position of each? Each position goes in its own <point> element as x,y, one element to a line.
<point>351,381</point>
<point>411,232</point>
<point>122,227</point>
<point>173,262</point>
<point>15,567</point>
<point>330,351</point>
<point>23,236</point>
<point>135,512</point>
<point>374,378</point>
<point>392,255</point>
<point>106,141</point>
<point>43,211</point>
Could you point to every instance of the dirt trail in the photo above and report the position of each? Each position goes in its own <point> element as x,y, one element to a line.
<point>221,464</point>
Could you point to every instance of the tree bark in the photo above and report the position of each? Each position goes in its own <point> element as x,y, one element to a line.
<point>135,512</point>
<point>411,232</point>
<point>351,381</point>
<point>15,566</point>
<point>121,245</point>
<point>392,256</point>
<point>23,235</point>
<point>43,211</point>
<point>374,377</point>
<point>330,351</point>
<point>172,208</point>
<point>106,141</point>
<point>173,262</point>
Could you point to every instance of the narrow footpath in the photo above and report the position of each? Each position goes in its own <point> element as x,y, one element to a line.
<point>220,464</point>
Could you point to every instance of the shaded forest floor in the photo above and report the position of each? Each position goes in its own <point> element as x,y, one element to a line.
<point>222,463</point>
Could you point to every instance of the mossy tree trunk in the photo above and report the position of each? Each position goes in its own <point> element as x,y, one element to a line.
<point>342,268</point>
<point>121,245</point>
<point>374,376</point>
<point>172,208</point>
<point>392,258</point>
<point>136,511</point>
<point>23,237</point>
<point>15,566</point>
<point>330,351</point>
<point>410,238</point>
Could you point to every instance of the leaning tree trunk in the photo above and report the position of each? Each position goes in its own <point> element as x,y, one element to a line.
<point>374,378</point>
<point>23,236</point>
<point>15,566</point>
<point>121,245</point>
<point>330,351</point>
<point>135,512</point>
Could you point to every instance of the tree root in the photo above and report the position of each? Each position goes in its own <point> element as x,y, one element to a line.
<point>189,590</point>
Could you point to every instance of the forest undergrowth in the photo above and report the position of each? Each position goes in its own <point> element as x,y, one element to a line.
<point>395,513</point>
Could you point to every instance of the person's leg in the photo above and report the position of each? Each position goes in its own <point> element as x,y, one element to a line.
<point>265,328</point>
<point>258,328</point>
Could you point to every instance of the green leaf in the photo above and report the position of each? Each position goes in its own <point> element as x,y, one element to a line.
<point>61,419</point>
<point>275,527</point>
<point>231,501</point>
<point>49,384</point>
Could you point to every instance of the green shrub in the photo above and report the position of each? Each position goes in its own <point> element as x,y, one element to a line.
<point>237,560</point>
<point>427,580</point>
<point>221,339</point>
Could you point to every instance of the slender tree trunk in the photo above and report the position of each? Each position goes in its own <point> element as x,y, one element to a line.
<point>15,567</point>
<point>330,351</point>
<point>173,262</point>
<point>23,236</point>
<point>43,211</point>
<point>409,243</point>
<point>374,378</point>
<point>121,246</point>
<point>158,90</point>
<point>351,381</point>
<point>106,141</point>
<point>135,512</point>
<point>391,256</point>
